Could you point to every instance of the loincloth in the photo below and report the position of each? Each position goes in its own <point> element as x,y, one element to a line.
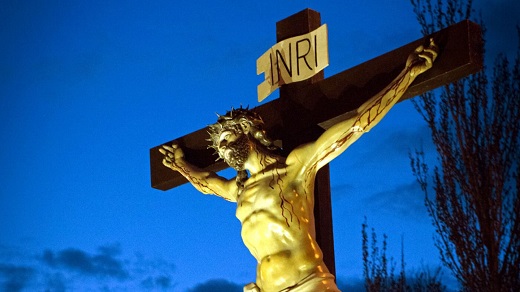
<point>315,282</point>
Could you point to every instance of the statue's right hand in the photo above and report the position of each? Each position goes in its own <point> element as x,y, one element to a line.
<point>172,156</point>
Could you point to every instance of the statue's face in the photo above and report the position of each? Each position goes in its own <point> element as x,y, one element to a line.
<point>234,148</point>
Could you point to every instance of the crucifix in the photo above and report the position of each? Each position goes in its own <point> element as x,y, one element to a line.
<point>305,112</point>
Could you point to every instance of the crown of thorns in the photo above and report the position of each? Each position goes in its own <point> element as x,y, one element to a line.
<point>233,120</point>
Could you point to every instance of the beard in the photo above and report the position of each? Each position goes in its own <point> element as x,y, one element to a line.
<point>236,153</point>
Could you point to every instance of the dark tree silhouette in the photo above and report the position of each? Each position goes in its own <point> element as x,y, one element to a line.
<point>475,128</point>
<point>379,271</point>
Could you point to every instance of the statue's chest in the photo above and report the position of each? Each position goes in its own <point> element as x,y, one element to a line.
<point>262,192</point>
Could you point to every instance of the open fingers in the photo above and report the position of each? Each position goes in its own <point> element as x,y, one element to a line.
<point>170,149</point>
<point>167,162</point>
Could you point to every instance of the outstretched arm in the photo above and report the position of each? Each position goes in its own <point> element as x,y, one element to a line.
<point>371,112</point>
<point>340,136</point>
<point>204,181</point>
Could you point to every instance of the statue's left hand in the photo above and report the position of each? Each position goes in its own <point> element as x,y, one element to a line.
<point>422,58</point>
<point>172,156</point>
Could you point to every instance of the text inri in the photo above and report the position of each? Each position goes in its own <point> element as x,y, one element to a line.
<point>291,60</point>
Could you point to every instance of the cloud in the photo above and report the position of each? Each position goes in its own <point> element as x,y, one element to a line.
<point>162,282</point>
<point>15,278</point>
<point>56,282</point>
<point>405,140</point>
<point>342,191</point>
<point>217,285</point>
<point>76,269</point>
<point>103,264</point>
<point>406,200</point>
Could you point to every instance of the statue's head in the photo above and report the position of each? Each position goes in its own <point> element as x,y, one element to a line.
<point>232,133</point>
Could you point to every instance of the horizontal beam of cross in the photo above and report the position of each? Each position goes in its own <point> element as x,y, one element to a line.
<point>328,101</point>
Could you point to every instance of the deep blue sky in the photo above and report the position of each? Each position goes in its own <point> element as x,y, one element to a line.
<point>87,87</point>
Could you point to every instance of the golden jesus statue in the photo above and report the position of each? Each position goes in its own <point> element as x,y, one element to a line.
<point>275,194</point>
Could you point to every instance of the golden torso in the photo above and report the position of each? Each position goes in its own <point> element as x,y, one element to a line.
<point>276,204</point>
<point>276,212</point>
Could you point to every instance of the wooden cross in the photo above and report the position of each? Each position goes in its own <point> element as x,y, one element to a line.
<point>305,109</point>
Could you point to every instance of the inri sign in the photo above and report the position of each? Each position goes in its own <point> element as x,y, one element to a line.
<point>294,59</point>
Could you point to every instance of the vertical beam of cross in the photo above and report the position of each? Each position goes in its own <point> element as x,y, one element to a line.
<point>298,24</point>
<point>305,108</point>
